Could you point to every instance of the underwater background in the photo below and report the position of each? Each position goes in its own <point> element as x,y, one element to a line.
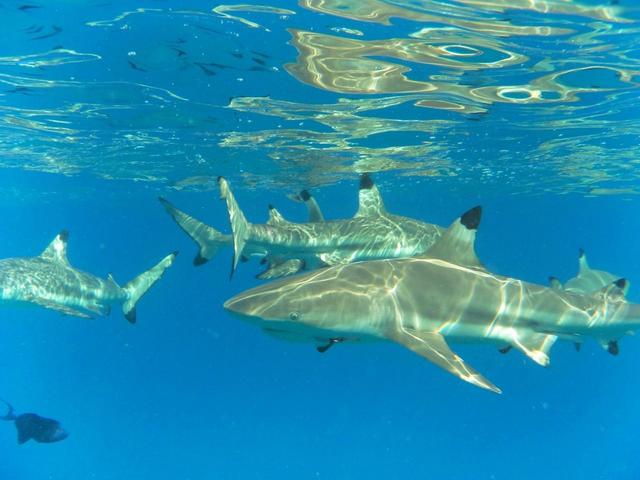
<point>527,108</point>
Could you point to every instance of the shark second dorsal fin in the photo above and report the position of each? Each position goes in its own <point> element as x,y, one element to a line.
<point>370,201</point>
<point>555,283</point>
<point>275,217</point>
<point>583,265</point>
<point>57,249</point>
<point>457,243</point>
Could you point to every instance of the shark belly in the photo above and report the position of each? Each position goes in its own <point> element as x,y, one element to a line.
<point>39,281</point>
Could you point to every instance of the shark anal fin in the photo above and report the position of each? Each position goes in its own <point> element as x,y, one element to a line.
<point>505,349</point>
<point>63,309</point>
<point>433,347</point>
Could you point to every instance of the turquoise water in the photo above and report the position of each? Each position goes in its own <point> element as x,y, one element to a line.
<point>532,115</point>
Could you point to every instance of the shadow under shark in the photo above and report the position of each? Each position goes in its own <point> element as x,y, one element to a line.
<point>443,295</point>
<point>31,426</point>
<point>50,281</point>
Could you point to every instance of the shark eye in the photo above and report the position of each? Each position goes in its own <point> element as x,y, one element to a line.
<point>294,316</point>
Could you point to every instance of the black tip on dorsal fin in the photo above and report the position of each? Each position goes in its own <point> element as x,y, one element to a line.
<point>577,346</point>
<point>612,347</point>
<point>64,235</point>
<point>621,283</point>
<point>305,195</point>
<point>471,218</point>
<point>580,252</point>
<point>220,178</point>
<point>271,207</point>
<point>553,279</point>
<point>366,182</point>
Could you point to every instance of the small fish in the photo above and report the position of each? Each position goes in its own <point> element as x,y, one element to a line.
<point>135,67</point>
<point>205,70</point>
<point>28,7</point>
<point>31,426</point>
<point>237,54</point>
<point>55,30</point>
<point>259,61</point>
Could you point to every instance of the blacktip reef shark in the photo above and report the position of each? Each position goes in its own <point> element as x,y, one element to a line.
<point>423,302</point>
<point>589,281</point>
<point>290,247</point>
<point>50,281</point>
<point>210,240</point>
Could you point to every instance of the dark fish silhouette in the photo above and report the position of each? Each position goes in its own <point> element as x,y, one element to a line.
<point>28,7</point>
<point>33,426</point>
<point>55,30</point>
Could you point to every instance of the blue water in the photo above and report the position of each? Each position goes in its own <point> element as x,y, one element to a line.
<point>190,393</point>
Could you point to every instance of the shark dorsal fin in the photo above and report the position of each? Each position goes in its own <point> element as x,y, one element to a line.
<point>57,249</point>
<point>555,283</point>
<point>615,290</point>
<point>583,265</point>
<point>275,217</point>
<point>457,243</point>
<point>370,201</point>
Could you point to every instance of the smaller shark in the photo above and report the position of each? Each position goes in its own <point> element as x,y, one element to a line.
<point>210,240</point>
<point>589,281</point>
<point>442,295</point>
<point>50,281</point>
<point>290,247</point>
<point>31,426</point>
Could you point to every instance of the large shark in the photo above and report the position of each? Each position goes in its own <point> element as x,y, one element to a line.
<point>50,281</point>
<point>289,247</point>
<point>423,302</point>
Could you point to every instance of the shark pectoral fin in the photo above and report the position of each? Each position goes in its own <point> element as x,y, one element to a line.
<point>535,345</point>
<point>63,309</point>
<point>283,269</point>
<point>433,347</point>
<point>336,258</point>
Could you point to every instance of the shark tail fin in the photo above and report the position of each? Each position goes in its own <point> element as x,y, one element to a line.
<point>209,240</point>
<point>11,415</point>
<point>137,287</point>
<point>239,225</point>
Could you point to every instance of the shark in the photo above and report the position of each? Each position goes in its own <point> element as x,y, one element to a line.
<point>425,302</point>
<point>289,247</point>
<point>50,281</point>
<point>210,240</point>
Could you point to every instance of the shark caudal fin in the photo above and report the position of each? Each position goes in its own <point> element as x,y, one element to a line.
<point>239,225</point>
<point>209,240</point>
<point>137,287</point>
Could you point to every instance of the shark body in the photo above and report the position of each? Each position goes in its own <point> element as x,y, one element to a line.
<point>423,302</point>
<point>289,247</point>
<point>50,281</point>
